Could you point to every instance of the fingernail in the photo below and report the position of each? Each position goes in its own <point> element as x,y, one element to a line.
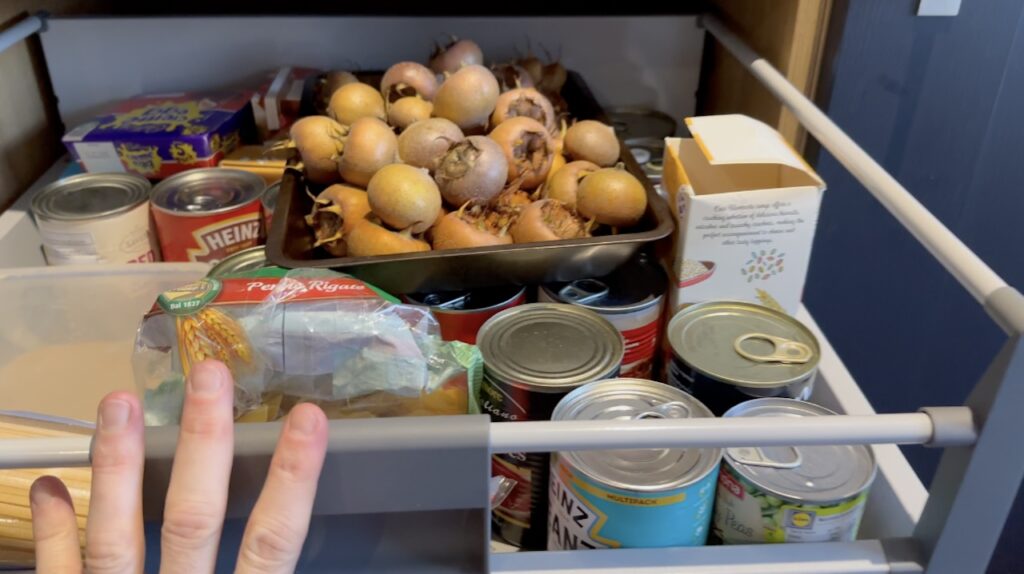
<point>302,423</point>
<point>206,380</point>
<point>114,414</point>
<point>39,494</point>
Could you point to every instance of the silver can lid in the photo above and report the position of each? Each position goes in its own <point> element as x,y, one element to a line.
<point>638,284</point>
<point>744,344</point>
<point>637,121</point>
<point>207,190</point>
<point>245,260</point>
<point>269,197</point>
<point>648,152</point>
<point>644,470</point>
<point>90,196</point>
<point>549,347</point>
<point>815,474</point>
<point>467,301</point>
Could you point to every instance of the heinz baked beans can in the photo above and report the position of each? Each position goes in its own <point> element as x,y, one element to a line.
<point>208,214</point>
<point>642,498</point>
<point>96,218</point>
<point>631,298</point>
<point>533,356</point>
<point>460,314</point>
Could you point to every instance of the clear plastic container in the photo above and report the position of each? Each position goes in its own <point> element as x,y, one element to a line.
<point>67,333</point>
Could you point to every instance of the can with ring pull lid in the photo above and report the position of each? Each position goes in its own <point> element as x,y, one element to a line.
<point>631,298</point>
<point>791,494</point>
<point>642,498</point>
<point>728,352</point>
<point>533,356</point>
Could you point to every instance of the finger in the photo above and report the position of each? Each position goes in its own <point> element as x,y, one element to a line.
<point>54,528</point>
<point>113,534</point>
<point>277,527</point>
<point>198,491</point>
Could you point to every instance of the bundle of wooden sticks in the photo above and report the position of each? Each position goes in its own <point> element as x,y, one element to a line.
<point>16,547</point>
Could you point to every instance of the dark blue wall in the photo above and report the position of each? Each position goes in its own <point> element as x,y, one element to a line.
<point>940,103</point>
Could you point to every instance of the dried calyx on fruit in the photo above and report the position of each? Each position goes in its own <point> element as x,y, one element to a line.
<point>513,197</point>
<point>336,211</point>
<point>511,76</point>
<point>425,142</point>
<point>524,102</point>
<point>548,220</point>
<point>470,226</point>
<point>472,170</point>
<point>528,149</point>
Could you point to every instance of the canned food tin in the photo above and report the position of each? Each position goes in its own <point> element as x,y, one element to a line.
<point>791,494</point>
<point>632,299</point>
<point>95,218</point>
<point>533,355</point>
<point>648,153</point>
<point>460,314</point>
<point>631,498</point>
<point>637,121</point>
<point>269,202</point>
<point>244,261</point>
<point>208,214</point>
<point>727,352</point>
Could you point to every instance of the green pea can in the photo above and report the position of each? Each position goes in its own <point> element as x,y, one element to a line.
<point>791,494</point>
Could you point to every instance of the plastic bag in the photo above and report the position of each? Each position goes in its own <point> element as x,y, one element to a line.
<point>307,336</point>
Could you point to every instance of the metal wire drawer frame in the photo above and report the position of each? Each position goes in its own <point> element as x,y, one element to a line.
<point>980,471</point>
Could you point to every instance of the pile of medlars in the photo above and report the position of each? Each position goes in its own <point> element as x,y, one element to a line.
<point>459,155</point>
<point>559,361</point>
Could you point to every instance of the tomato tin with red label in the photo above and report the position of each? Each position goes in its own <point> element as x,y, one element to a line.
<point>209,214</point>
<point>533,356</point>
<point>631,298</point>
<point>461,313</point>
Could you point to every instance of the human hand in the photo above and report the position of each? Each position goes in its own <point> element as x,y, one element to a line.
<point>196,497</point>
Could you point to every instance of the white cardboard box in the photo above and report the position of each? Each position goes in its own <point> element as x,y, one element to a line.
<point>746,206</point>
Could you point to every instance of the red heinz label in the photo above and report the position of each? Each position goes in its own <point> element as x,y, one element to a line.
<point>222,238</point>
<point>641,345</point>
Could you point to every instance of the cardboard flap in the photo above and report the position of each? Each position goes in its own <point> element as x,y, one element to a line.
<point>739,148</point>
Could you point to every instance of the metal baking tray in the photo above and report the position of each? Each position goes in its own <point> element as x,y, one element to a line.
<point>290,241</point>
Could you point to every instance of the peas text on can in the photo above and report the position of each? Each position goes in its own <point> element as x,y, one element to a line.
<point>208,214</point>
<point>642,498</point>
<point>96,218</point>
<point>533,356</point>
<point>791,494</point>
<point>632,298</point>
<point>460,314</point>
<point>728,352</point>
